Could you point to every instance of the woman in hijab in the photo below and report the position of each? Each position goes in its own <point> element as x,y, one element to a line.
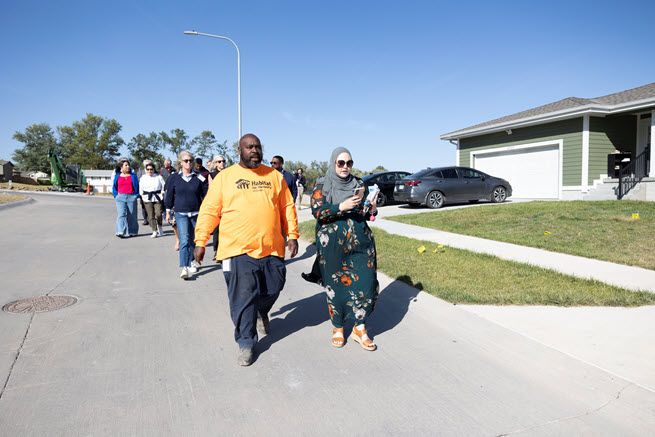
<point>346,249</point>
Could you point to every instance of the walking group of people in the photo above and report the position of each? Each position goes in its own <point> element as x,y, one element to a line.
<point>253,208</point>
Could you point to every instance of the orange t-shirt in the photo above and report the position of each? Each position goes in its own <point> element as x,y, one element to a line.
<point>255,209</point>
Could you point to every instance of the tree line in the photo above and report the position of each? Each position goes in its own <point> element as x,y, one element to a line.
<point>94,143</point>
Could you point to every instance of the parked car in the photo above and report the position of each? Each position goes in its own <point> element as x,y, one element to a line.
<point>436,186</point>
<point>386,181</point>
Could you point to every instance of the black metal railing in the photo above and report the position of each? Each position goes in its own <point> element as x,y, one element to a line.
<point>633,173</point>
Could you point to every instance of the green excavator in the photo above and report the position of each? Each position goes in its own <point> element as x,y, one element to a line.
<point>65,178</point>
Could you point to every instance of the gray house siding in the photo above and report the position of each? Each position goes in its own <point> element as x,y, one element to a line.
<point>569,131</point>
<point>607,135</point>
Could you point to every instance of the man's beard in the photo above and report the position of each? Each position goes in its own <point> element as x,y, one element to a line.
<point>252,164</point>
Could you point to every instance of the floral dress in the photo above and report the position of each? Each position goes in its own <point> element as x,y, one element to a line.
<point>347,258</point>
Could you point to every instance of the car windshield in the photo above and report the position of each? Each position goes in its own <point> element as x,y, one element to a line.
<point>368,177</point>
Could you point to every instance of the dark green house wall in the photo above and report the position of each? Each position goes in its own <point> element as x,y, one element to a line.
<point>607,135</point>
<point>569,131</point>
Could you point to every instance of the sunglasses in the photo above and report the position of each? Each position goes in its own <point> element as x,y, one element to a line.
<point>275,163</point>
<point>187,160</point>
<point>219,161</point>
<point>341,163</point>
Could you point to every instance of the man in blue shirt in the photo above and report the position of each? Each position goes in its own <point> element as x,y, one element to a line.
<point>277,162</point>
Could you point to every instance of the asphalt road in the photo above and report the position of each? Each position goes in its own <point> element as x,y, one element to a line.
<point>144,353</point>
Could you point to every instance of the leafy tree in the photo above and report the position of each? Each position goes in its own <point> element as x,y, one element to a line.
<point>176,141</point>
<point>378,169</point>
<point>144,147</point>
<point>206,146</point>
<point>232,153</point>
<point>38,139</point>
<point>92,142</point>
<point>315,170</point>
<point>292,166</point>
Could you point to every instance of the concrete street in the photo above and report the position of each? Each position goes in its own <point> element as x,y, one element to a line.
<point>144,353</point>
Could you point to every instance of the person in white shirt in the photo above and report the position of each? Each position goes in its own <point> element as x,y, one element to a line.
<point>151,187</point>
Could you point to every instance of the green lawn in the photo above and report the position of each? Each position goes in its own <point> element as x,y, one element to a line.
<point>460,276</point>
<point>602,230</point>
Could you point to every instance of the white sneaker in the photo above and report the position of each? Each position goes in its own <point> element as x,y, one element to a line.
<point>185,273</point>
<point>192,269</point>
<point>154,234</point>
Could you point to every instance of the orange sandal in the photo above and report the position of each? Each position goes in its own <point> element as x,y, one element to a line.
<point>338,339</point>
<point>360,336</point>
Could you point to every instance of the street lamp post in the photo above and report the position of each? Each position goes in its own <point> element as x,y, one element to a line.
<point>194,33</point>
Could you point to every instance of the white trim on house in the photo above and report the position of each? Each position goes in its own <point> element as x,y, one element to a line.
<point>584,179</point>
<point>593,109</point>
<point>651,173</point>
<point>518,147</point>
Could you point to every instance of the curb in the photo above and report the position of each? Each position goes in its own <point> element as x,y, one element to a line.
<point>16,203</point>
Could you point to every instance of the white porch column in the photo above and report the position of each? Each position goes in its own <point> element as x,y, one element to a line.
<point>584,179</point>
<point>651,173</point>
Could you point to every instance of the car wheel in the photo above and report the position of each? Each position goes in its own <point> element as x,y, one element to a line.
<point>499,194</point>
<point>382,199</point>
<point>435,199</point>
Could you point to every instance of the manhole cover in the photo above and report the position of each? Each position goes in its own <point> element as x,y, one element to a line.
<point>39,304</point>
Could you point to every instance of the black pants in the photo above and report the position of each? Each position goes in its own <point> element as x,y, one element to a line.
<point>253,286</point>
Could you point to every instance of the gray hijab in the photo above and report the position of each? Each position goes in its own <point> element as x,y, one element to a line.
<point>335,188</point>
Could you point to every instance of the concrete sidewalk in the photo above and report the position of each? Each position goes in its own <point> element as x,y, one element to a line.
<point>616,340</point>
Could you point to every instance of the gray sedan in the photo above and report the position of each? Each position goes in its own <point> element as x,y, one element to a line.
<point>436,186</point>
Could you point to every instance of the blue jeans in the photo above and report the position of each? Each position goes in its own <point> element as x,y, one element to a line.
<point>186,234</point>
<point>126,220</point>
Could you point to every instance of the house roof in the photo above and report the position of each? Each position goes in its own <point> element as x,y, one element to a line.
<point>566,108</point>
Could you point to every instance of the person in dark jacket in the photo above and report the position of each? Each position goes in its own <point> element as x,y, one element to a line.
<point>277,162</point>
<point>125,189</point>
<point>200,169</point>
<point>184,193</point>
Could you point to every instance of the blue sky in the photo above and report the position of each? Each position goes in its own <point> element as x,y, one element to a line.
<point>382,78</point>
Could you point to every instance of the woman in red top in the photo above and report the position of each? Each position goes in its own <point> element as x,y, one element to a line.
<point>125,190</point>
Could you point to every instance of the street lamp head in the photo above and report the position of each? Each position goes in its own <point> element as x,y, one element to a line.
<point>190,32</point>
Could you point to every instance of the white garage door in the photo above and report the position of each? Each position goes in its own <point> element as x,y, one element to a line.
<point>533,172</point>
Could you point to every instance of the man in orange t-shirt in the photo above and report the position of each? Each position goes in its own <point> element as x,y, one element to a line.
<point>256,212</point>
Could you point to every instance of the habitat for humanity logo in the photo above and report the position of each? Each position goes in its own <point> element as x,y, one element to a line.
<point>242,184</point>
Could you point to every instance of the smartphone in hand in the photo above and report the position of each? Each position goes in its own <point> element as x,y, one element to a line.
<point>359,191</point>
